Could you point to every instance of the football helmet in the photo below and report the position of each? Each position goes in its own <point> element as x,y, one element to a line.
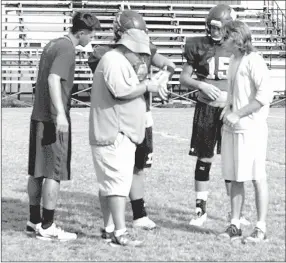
<point>218,16</point>
<point>127,19</point>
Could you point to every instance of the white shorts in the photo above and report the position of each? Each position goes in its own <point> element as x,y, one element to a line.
<point>114,166</point>
<point>243,155</point>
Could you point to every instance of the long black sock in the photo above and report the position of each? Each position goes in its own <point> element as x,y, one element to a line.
<point>35,214</point>
<point>48,218</point>
<point>138,208</point>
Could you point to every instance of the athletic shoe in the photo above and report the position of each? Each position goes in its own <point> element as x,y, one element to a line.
<point>144,223</point>
<point>105,235</point>
<point>256,236</point>
<point>242,220</point>
<point>232,233</point>
<point>31,228</point>
<point>55,233</point>
<point>199,220</point>
<point>125,240</point>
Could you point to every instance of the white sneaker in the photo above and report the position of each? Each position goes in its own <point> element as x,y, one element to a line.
<point>145,223</point>
<point>31,228</point>
<point>242,220</point>
<point>55,233</point>
<point>199,220</point>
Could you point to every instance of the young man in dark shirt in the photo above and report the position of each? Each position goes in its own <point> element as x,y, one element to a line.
<point>50,129</point>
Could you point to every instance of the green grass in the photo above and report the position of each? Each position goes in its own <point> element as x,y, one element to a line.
<point>169,196</point>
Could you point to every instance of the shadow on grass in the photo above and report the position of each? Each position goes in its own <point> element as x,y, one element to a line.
<point>80,212</point>
<point>72,206</point>
<point>179,219</point>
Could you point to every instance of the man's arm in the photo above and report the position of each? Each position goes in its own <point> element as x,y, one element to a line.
<point>157,82</point>
<point>189,82</point>
<point>161,61</point>
<point>56,97</point>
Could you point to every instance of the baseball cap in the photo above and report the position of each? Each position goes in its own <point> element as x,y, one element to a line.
<point>136,40</point>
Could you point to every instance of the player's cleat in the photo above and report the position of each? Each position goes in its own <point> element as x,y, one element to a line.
<point>31,228</point>
<point>125,240</point>
<point>106,236</point>
<point>144,223</point>
<point>256,236</point>
<point>55,233</point>
<point>199,220</point>
<point>242,220</point>
<point>232,233</point>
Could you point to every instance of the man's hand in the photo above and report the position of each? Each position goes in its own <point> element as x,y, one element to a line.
<point>225,111</point>
<point>62,123</point>
<point>231,119</point>
<point>160,79</point>
<point>163,92</point>
<point>210,90</point>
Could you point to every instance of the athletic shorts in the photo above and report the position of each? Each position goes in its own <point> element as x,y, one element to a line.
<point>49,151</point>
<point>243,155</point>
<point>144,151</point>
<point>206,132</point>
<point>114,166</point>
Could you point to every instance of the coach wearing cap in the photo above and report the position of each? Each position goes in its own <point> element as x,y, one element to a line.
<point>117,124</point>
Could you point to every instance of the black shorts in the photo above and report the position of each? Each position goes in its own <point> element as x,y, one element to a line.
<point>206,131</point>
<point>144,151</point>
<point>49,151</point>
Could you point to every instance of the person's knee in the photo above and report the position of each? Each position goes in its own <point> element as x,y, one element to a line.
<point>259,183</point>
<point>202,171</point>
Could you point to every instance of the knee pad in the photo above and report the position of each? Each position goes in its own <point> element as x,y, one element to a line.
<point>202,172</point>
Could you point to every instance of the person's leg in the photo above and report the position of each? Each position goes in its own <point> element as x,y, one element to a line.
<point>143,159</point>
<point>57,156</point>
<point>108,229</point>
<point>201,188</point>
<point>237,200</point>
<point>35,181</point>
<point>237,194</point>
<point>261,201</point>
<point>107,216</point>
<point>35,193</point>
<point>51,189</point>
<point>117,205</point>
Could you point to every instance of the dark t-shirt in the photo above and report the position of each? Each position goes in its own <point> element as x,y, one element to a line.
<point>209,60</point>
<point>58,58</point>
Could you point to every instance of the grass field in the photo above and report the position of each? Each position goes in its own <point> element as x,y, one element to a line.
<point>169,196</point>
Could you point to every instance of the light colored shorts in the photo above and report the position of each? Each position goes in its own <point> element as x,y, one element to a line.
<point>243,155</point>
<point>114,166</point>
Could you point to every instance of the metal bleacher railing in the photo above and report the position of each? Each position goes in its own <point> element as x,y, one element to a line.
<point>28,25</point>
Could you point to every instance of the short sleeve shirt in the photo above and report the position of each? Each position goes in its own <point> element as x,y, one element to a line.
<point>113,78</point>
<point>251,80</point>
<point>58,58</point>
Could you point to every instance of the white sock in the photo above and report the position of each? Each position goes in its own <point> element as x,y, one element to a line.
<point>119,232</point>
<point>261,225</point>
<point>235,222</point>
<point>202,195</point>
<point>110,228</point>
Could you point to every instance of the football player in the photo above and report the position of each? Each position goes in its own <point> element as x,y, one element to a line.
<point>208,60</point>
<point>144,153</point>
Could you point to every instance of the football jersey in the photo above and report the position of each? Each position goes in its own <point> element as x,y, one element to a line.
<point>99,51</point>
<point>209,61</point>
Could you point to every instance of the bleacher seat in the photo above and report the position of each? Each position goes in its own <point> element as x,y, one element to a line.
<point>28,25</point>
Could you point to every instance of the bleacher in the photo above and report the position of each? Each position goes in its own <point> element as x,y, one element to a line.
<point>28,25</point>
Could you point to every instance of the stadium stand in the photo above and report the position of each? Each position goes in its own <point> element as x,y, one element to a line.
<point>28,25</point>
